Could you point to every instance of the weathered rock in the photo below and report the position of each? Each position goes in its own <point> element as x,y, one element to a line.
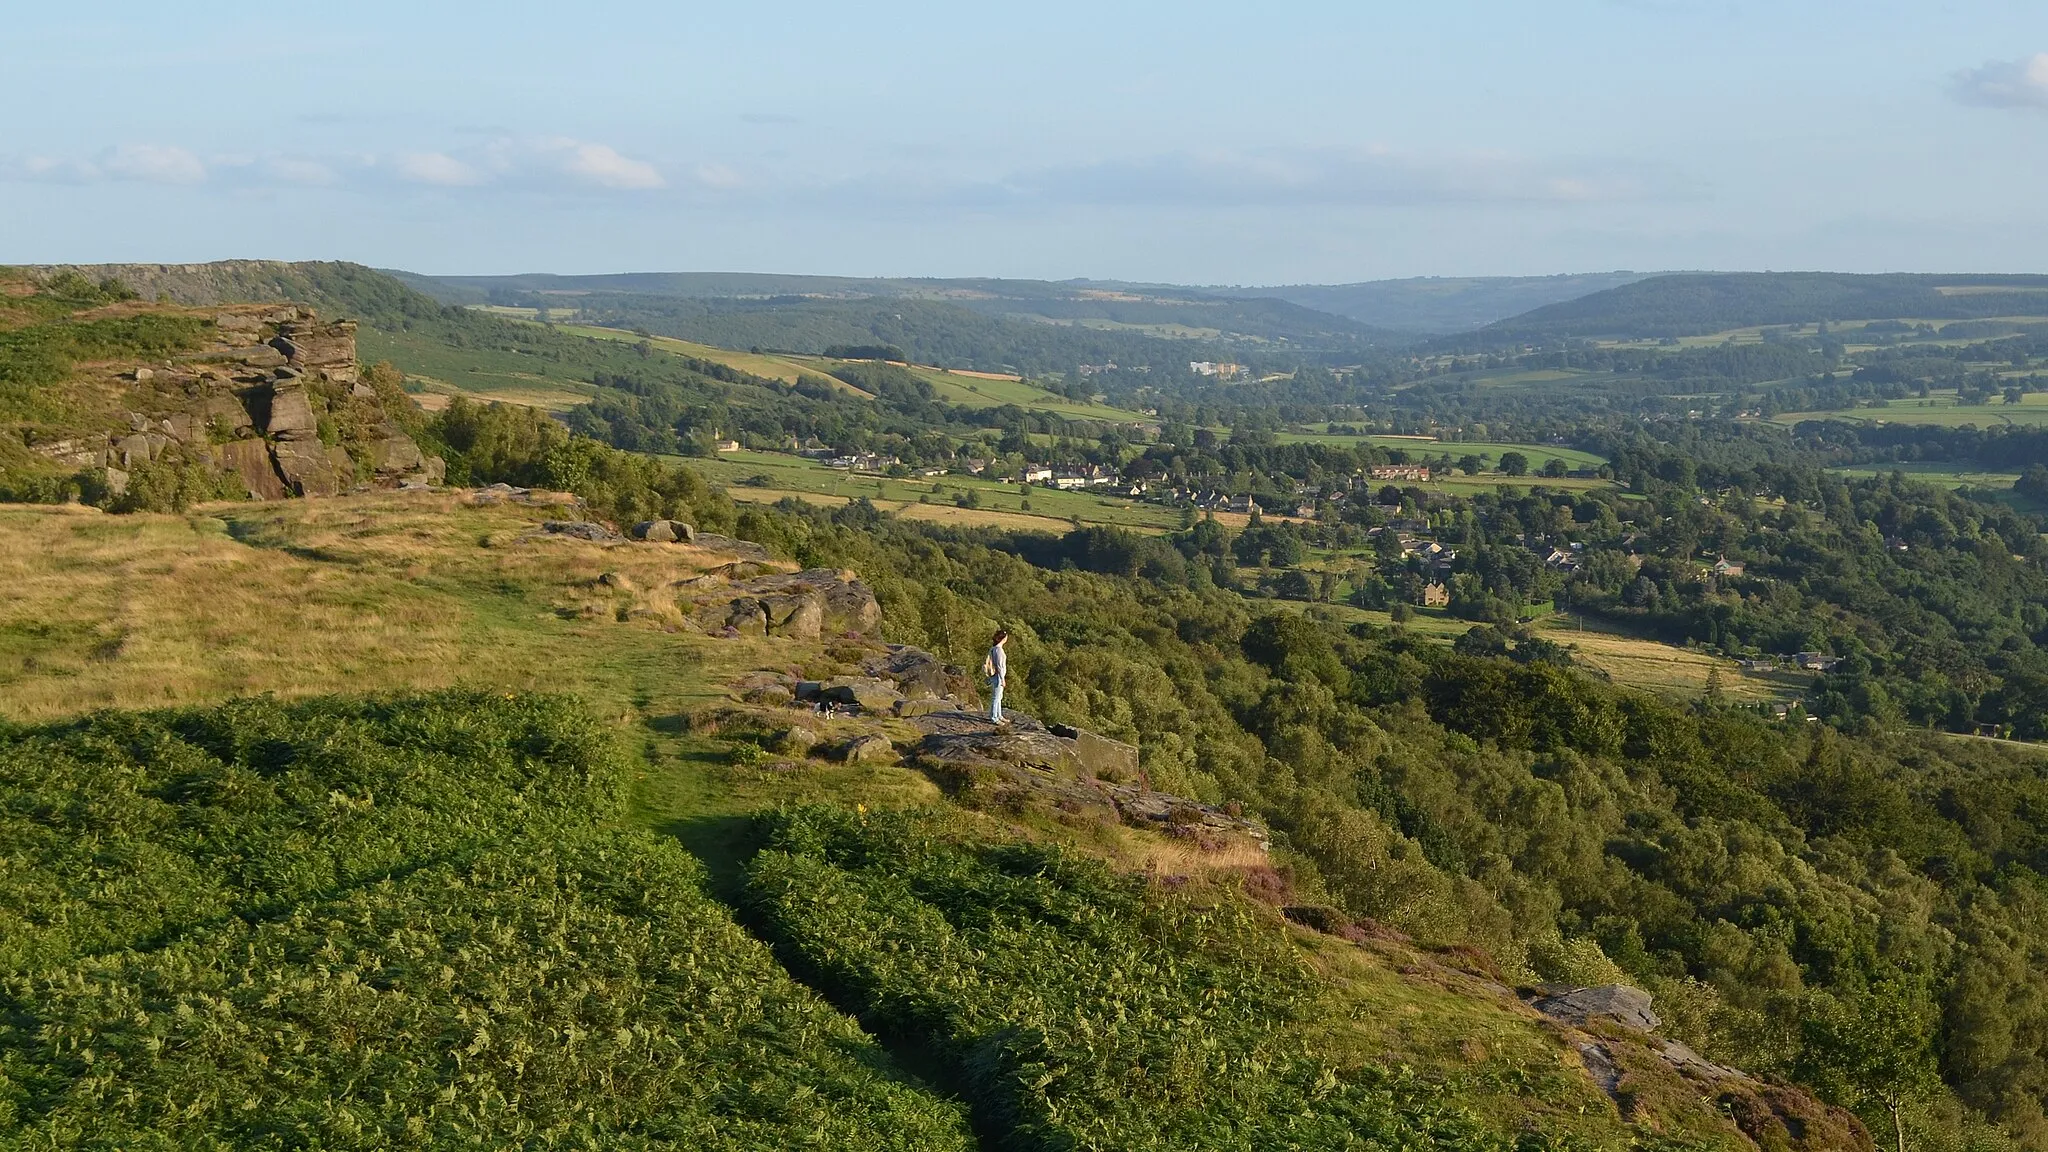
<point>664,532</point>
<point>250,460</point>
<point>875,697</point>
<point>142,374</point>
<point>291,414</point>
<point>808,690</point>
<point>746,617</point>
<point>918,673</point>
<point>117,481</point>
<point>361,391</point>
<point>253,356</point>
<point>184,427</point>
<point>77,452</point>
<point>799,617</point>
<point>615,582</point>
<point>579,530</point>
<point>741,549</point>
<point>927,706</point>
<point>849,605</point>
<point>1616,1003</point>
<point>395,455</point>
<point>236,322</point>
<point>329,348</point>
<point>866,750</point>
<point>795,740</point>
<point>308,468</point>
<point>1100,756</point>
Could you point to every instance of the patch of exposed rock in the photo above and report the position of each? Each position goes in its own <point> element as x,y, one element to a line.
<point>1613,1003</point>
<point>1071,768</point>
<point>804,605</point>
<point>274,398</point>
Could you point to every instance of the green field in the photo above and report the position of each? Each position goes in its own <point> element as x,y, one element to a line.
<point>929,499</point>
<point>1939,408</point>
<point>1944,474</point>
<point>977,390</point>
<point>480,373</point>
<point>1488,450</point>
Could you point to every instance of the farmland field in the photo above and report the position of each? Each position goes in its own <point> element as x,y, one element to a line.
<point>1489,450</point>
<point>1936,409</point>
<point>1052,508</point>
<point>974,390</point>
<point>480,373</point>
<point>1655,666</point>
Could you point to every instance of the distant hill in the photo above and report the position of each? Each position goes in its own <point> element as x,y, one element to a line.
<point>1027,325</point>
<point>1438,304</point>
<point>1699,304</point>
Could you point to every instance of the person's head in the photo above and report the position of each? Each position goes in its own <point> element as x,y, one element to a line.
<point>1002,634</point>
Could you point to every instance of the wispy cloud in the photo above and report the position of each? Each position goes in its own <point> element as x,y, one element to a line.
<point>436,168</point>
<point>154,164</point>
<point>2021,83</point>
<point>555,164</point>
<point>146,163</point>
<point>600,164</point>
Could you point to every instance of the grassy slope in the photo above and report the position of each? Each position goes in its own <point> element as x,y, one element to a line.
<point>976,390</point>
<point>1052,510</point>
<point>1936,409</point>
<point>387,591</point>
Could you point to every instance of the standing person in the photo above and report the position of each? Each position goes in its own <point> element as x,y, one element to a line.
<point>997,669</point>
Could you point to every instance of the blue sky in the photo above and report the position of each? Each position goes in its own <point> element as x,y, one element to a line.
<point>1192,142</point>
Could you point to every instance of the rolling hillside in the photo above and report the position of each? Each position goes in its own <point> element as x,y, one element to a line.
<point>1698,304</point>
<point>1439,304</point>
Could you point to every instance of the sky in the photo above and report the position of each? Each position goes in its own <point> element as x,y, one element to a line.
<point>1186,142</point>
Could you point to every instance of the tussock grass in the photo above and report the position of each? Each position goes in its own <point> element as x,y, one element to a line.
<point>368,593</point>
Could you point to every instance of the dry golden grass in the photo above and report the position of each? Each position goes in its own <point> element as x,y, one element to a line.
<point>364,593</point>
<point>1656,666</point>
<point>977,517</point>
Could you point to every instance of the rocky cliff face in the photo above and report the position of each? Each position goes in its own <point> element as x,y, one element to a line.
<point>274,397</point>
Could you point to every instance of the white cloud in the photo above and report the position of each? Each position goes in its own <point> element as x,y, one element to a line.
<point>600,164</point>
<point>152,163</point>
<point>714,175</point>
<point>2021,83</point>
<point>438,169</point>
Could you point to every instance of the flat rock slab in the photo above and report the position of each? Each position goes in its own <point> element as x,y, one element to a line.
<point>579,530</point>
<point>918,673</point>
<point>872,696</point>
<point>1613,1003</point>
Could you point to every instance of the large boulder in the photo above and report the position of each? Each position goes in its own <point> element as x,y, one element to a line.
<point>1616,1003</point>
<point>849,605</point>
<point>866,750</point>
<point>799,617</point>
<point>396,455</point>
<point>310,468</point>
<point>875,697</point>
<point>250,460</point>
<point>918,673</point>
<point>1100,756</point>
<point>329,348</point>
<point>579,530</point>
<point>291,413</point>
<point>664,532</point>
